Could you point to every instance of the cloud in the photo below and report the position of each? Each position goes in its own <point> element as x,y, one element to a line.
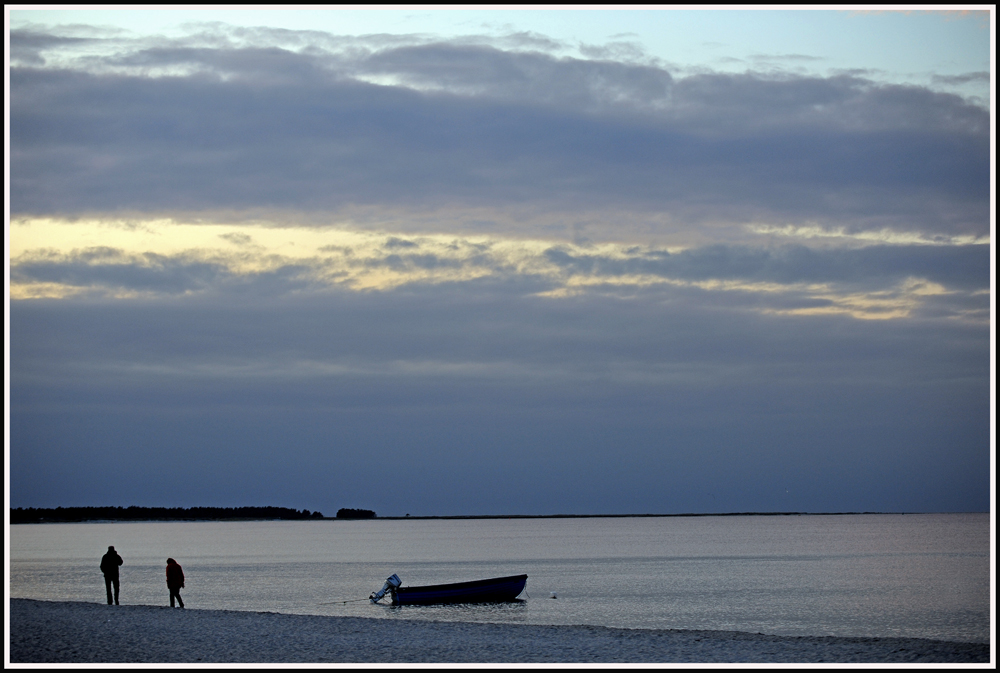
<point>474,126</point>
<point>237,238</point>
<point>965,267</point>
<point>962,79</point>
<point>29,45</point>
<point>873,281</point>
<point>113,273</point>
<point>345,383</point>
<point>312,256</point>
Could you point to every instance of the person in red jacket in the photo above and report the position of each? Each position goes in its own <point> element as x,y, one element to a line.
<point>175,580</point>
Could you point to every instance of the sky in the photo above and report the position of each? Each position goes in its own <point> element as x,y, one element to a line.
<point>479,261</point>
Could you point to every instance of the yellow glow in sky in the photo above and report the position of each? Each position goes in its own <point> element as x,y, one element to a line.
<point>377,260</point>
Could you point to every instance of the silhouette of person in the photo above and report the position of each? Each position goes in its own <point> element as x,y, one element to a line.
<point>109,566</point>
<point>175,580</point>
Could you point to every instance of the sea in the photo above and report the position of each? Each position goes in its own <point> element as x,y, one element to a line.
<point>862,575</point>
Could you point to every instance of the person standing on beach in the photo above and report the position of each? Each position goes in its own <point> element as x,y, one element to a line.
<point>175,580</point>
<point>109,566</point>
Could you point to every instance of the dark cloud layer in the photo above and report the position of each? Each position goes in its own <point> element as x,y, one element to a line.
<point>965,267</point>
<point>479,126</point>
<point>542,405</point>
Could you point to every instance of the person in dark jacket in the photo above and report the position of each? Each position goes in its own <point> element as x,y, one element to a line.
<point>175,580</point>
<point>109,566</point>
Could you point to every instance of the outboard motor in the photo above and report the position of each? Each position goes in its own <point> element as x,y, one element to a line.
<point>391,584</point>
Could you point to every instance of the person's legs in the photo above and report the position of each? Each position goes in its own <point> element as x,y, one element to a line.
<point>176,593</point>
<point>115,582</point>
<point>107,585</point>
<point>172,592</point>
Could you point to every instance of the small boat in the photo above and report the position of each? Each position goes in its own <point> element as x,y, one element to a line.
<point>495,590</point>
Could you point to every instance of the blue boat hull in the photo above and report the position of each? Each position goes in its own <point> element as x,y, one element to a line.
<point>496,590</point>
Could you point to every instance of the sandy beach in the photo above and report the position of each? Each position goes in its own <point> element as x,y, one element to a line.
<point>74,632</point>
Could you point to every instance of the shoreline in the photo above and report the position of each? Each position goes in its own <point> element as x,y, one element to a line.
<point>45,520</point>
<point>76,632</point>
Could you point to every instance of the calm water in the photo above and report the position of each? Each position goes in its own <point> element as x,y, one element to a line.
<point>921,575</point>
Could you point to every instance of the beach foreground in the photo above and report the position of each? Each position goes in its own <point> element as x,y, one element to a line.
<point>73,632</point>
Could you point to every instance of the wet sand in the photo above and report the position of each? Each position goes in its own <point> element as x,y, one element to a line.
<point>74,632</point>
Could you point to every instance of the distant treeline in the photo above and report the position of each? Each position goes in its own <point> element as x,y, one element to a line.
<point>71,514</point>
<point>355,514</point>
